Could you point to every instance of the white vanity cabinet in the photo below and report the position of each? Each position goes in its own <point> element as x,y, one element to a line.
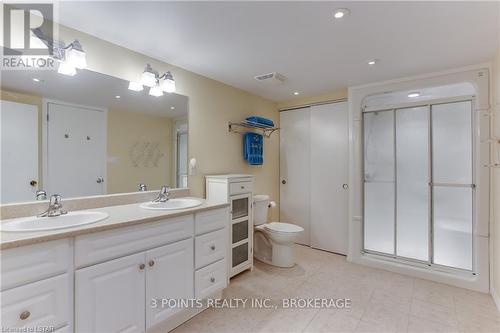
<point>115,280</point>
<point>237,190</point>
<point>36,284</point>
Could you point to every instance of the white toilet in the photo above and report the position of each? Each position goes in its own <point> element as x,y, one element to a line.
<point>273,242</point>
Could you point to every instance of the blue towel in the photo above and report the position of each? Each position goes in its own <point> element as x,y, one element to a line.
<point>260,121</point>
<point>253,151</point>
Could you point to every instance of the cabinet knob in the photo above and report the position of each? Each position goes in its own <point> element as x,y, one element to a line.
<point>212,247</point>
<point>151,263</point>
<point>142,266</point>
<point>212,279</point>
<point>242,187</point>
<point>345,186</point>
<point>24,315</point>
<point>283,182</point>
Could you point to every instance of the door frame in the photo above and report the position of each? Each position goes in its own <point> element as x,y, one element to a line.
<point>45,141</point>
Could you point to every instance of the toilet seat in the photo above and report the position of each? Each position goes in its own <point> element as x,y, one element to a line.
<point>280,227</point>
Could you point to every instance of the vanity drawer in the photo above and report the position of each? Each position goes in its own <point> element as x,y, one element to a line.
<point>211,220</point>
<point>43,303</point>
<point>210,247</point>
<point>102,246</point>
<point>240,187</point>
<point>31,263</point>
<point>210,279</point>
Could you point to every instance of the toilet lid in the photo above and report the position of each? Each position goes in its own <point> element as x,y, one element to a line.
<point>282,227</point>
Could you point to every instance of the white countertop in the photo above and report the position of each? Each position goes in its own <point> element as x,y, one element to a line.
<point>119,216</point>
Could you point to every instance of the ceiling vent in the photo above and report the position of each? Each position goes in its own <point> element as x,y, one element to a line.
<point>273,78</point>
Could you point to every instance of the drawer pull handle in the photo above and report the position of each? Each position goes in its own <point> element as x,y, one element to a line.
<point>24,315</point>
<point>141,267</point>
<point>151,263</point>
<point>212,279</point>
<point>212,247</point>
<point>242,187</point>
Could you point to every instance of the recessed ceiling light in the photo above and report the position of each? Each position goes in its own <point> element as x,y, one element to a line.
<point>341,12</point>
<point>117,97</point>
<point>414,94</point>
<point>36,80</point>
<point>296,93</point>
<point>372,62</point>
<point>172,107</point>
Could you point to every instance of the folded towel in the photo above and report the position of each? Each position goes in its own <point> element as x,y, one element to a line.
<point>260,120</point>
<point>253,151</point>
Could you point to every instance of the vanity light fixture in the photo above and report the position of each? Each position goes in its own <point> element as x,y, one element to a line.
<point>148,77</point>
<point>413,94</point>
<point>156,91</point>
<point>135,86</point>
<point>341,12</point>
<point>70,57</point>
<point>168,84</point>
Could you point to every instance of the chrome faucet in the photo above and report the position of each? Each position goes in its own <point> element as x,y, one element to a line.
<point>55,207</point>
<point>164,194</point>
<point>41,195</point>
<point>143,188</point>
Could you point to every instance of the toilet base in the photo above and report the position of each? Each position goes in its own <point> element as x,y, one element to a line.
<point>273,253</point>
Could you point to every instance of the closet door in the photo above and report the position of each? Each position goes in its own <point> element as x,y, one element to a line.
<point>329,177</point>
<point>295,169</point>
<point>379,182</point>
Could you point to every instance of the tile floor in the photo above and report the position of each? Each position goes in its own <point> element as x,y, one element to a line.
<point>381,301</point>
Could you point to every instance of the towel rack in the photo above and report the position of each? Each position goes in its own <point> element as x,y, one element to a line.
<point>244,126</point>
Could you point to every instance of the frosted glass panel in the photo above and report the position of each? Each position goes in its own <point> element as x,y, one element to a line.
<point>379,217</point>
<point>412,170</point>
<point>452,143</point>
<point>453,227</point>
<point>379,146</point>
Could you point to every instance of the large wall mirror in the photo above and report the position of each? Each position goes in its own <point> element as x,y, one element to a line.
<point>86,135</point>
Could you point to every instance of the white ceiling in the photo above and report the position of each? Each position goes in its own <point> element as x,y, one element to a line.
<point>234,41</point>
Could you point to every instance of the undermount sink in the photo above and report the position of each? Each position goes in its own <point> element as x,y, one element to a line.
<point>34,223</point>
<point>172,204</point>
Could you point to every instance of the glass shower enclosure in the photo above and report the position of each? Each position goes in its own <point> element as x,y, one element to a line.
<point>419,183</point>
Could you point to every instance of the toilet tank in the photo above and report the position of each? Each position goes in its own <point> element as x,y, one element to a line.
<point>260,209</point>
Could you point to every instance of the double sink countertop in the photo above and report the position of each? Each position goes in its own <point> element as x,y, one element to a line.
<point>119,216</point>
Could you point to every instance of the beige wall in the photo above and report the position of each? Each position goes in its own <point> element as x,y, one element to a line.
<point>128,132</point>
<point>211,105</point>
<point>496,180</point>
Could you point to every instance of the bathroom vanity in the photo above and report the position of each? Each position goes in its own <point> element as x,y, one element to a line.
<point>108,276</point>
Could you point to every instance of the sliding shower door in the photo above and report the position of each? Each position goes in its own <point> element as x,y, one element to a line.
<point>452,184</point>
<point>418,183</point>
<point>379,181</point>
<point>412,183</point>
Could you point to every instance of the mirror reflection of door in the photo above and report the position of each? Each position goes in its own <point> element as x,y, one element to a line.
<point>182,158</point>
<point>76,150</point>
<point>19,152</point>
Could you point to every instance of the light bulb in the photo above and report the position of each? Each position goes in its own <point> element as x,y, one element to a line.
<point>148,77</point>
<point>155,91</point>
<point>76,58</point>
<point>66,69</point>
<point>135,86</point>
<point>168,84</point>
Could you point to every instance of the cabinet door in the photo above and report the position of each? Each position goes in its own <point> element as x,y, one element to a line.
<point>109,297</point>
<point>169,275</point>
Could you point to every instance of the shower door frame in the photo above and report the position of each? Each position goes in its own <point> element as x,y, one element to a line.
<point>474,160</point>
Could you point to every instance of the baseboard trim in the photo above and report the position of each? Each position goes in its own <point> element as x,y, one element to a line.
<point>496,298</point>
